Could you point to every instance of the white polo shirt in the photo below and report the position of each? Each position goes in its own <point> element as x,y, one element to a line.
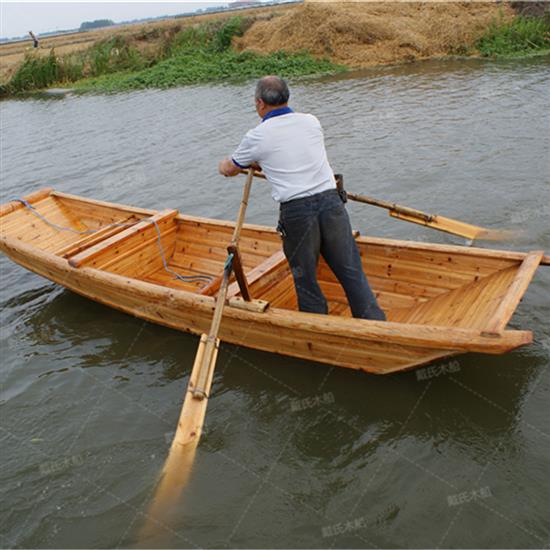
<point>290,148</point>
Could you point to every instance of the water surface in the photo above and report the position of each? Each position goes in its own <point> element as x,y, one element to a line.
<point>297,454</point>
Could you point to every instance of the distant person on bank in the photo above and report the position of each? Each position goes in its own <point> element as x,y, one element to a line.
<point>290,150</point>
<point>34,40</point>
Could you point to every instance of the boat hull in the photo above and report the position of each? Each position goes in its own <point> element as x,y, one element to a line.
<point>371,346</point>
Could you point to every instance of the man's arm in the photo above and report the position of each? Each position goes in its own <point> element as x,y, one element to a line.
<point>245,156</point>
<point>228,168</point>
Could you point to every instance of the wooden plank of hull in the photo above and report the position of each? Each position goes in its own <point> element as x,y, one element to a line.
<point>31,198</point>
<point>253,231</point>
<point>195,264</point>
<point>142,259</point>
<point>442,259</point>
<point>334,292</point>
<point>453,250</point>
<point>515,291</point>
<point>206,240</point>
<point>296,334</point>
<point>161,277</point>
<point>209,239</point>
<point>280,293</point>
<point>104,208</point>
<point>433,277</point>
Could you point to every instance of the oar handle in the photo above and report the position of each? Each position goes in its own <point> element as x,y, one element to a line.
<point>244,203</point>
<point>393,207</point>
<point>257,173</point>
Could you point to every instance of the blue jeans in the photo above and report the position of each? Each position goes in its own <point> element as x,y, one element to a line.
<point>320,225</point>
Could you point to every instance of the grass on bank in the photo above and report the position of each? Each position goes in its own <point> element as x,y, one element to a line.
<point>196,54</point>
<point>38,71</point>
<point>523,36</point>
<point>200,67</point>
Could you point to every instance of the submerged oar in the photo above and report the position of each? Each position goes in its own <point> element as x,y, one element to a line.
<point>435,221</point>
<point>179,463</point>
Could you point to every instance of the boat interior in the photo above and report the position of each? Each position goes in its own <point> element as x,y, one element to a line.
<point>414,282</point>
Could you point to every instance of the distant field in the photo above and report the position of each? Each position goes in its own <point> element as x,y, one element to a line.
<point>11,54</point>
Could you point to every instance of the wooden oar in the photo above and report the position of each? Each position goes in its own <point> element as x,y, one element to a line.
<point>194,407</point>
<point>179,463</point>
<point>435,221</point>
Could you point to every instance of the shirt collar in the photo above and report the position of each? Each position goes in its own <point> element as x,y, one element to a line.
<point>277,112</point>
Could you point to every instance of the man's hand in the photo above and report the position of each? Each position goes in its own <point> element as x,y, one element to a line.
<point>228,168</point>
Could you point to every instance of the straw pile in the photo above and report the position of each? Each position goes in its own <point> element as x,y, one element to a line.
<point>361,34</point>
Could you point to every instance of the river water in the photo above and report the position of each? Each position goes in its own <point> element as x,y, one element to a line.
<point>296,454</point>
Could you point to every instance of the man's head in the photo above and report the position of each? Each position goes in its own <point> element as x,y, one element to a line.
<point>271,93</point>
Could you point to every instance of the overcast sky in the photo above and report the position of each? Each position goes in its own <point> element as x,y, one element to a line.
<point>17,18</point>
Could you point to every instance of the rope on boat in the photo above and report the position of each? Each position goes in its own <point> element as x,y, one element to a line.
<point>51,224</point>
<point>228,261</point>
<point>184,278</point>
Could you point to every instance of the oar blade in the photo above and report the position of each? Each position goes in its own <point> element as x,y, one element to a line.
<point>193,411</point>
<point>499,234</point>
<point>456,227</point>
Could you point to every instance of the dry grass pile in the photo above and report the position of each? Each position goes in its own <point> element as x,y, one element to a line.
<point>370,33</point>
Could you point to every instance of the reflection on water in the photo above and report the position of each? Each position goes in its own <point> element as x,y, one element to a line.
<point>90,396</point>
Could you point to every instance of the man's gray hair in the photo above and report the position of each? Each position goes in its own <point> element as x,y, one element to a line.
<point>272,90</point>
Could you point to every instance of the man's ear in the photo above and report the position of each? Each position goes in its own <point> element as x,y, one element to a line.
<point>260,105</point>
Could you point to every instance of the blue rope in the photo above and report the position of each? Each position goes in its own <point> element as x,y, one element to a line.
<point>183,278</point>
<point>228,262</point>
<point>51,224</point>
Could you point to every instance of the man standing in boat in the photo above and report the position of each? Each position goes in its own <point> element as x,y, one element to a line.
<point>289,148</point>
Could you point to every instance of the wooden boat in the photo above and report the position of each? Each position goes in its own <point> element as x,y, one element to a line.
<point>440,300</point>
